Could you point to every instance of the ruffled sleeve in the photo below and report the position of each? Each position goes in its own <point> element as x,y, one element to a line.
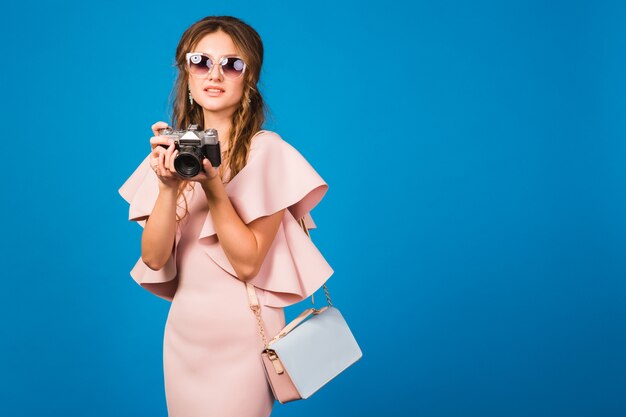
<point>141,190</point>
<point>277,176</point>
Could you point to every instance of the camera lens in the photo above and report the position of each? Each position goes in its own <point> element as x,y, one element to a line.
<point>187,164</point>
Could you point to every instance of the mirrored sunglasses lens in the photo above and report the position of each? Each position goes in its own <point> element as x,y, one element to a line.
<point>233,67</point>
<point>199,64</point>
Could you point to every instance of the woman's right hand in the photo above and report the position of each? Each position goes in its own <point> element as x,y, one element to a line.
<point>162,159</point>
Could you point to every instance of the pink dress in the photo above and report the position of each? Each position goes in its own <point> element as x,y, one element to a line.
<point>211,346</point>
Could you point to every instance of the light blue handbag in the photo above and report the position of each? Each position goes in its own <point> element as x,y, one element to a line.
<point>307,353</point>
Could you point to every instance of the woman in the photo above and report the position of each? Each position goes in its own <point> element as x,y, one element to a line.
<point>206,236</point>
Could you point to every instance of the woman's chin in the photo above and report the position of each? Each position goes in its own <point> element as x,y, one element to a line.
<point>217,107</point>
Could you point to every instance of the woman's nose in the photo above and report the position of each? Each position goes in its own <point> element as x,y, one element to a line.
<point>215,73</point>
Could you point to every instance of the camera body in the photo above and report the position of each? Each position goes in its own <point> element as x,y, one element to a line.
<point>193,146</point>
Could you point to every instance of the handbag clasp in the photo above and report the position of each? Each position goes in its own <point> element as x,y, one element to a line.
<point>278,366</point>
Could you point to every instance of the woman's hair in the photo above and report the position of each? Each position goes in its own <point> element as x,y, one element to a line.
<point>249,116</point>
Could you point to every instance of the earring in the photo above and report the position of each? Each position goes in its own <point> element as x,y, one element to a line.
<point>190,98</point>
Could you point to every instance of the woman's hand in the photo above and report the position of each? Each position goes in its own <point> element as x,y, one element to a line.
<point>162,159</point>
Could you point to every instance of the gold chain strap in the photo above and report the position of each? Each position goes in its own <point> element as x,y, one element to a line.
<point>257,313</point>
<point>257,309</point>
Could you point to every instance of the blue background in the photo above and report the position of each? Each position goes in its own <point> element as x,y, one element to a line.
<point>475,217</point>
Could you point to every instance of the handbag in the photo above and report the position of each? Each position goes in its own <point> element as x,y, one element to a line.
<point>308,352</point>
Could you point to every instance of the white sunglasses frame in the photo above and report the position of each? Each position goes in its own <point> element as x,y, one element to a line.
<point>220,61</point>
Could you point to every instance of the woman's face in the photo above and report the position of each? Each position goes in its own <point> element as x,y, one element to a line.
<point>217,45</point>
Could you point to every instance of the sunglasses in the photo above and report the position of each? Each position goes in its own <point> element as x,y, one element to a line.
<point>200,65</point>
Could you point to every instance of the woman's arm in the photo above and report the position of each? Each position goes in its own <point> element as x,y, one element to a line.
<point>245,246</point>
<point>159,233</point>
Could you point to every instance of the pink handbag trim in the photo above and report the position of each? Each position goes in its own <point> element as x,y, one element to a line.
<point>282,387</point>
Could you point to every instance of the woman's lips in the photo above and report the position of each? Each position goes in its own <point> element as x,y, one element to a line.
<point>213,92</point>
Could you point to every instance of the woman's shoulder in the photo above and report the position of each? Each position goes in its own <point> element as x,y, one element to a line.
<point>269,141</point>
<point>270,152</point>
<point>266,137</point>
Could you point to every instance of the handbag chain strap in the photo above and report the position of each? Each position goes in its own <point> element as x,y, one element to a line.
<point>254,302</point>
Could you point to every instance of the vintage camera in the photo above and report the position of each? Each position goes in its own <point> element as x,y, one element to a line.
<point>193,146</point>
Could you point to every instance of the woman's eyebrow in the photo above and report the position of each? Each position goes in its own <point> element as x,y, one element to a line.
<point>230,54</point>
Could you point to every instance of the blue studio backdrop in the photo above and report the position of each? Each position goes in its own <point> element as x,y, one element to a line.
<point>475,217</point>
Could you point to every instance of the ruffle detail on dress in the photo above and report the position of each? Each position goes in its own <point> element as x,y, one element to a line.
<point>276,177</point>
<point>141,190</point>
